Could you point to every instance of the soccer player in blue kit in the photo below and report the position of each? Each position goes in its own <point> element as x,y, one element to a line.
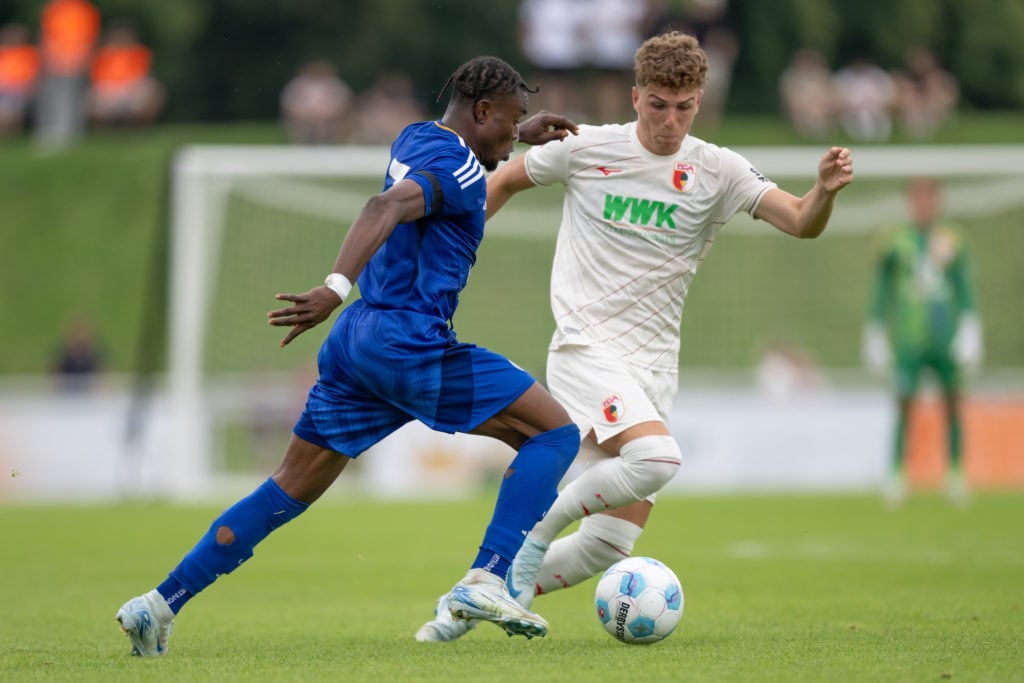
<point>392,357</point>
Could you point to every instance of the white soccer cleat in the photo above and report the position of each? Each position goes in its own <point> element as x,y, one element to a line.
<point>484,596</point>
<point>444,628</point>
<point>522,575</point>
<point>147,621</point>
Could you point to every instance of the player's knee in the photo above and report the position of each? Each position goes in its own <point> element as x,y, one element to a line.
<point>563,442</point>
<point>652,461</point>
<point>659,474</point>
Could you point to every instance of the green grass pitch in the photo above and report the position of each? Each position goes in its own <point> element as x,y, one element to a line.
<point>778,588</point>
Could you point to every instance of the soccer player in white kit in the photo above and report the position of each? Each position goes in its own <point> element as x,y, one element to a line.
<point>643,204</point>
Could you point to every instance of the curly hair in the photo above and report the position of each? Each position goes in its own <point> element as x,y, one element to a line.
<point>483,77</point>
<point>674,61</point>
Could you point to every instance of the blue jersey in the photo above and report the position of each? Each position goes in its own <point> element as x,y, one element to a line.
<point>392,356</point>
<point>424,264</point>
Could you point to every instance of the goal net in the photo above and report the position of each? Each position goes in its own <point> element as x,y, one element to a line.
<point>249,222</point>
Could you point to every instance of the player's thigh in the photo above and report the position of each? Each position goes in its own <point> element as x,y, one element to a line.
<point>947,372</point>
<point>347,418</point>
<point>613,444</point>
<point>483,392</point>
<point>608,397</point>
<point>533,413</point>
<point>907,373</point>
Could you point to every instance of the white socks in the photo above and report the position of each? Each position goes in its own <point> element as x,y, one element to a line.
<point>600,542</point>
<point>644,465</point>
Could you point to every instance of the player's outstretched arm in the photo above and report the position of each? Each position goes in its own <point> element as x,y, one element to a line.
<point>511,177</point>
<point>401,203</point>
<point>807,216</point>
<point>544,127</point>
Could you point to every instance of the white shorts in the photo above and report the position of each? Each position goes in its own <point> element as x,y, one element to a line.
<point>606,395</point>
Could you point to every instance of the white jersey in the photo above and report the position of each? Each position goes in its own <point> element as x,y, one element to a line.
<point>635,227</point>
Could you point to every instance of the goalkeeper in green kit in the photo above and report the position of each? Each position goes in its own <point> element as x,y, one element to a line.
<point>923,316</point>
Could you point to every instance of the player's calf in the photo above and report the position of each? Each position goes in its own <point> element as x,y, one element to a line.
<point>600,542</point>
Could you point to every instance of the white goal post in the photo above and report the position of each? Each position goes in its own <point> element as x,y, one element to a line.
<point>205,177</point>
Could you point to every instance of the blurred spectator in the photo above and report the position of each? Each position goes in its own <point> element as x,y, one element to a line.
<point>386,108</point>
<point>78,357</point>
<point>69,31</point>
<point>708,21</point>
<point>316,105</point>
<point>614,29</point>
<point>667,15</point>
<point>124,92</point>
<point>808,100</point>
<point>19,69</point>
<point>786,369</point>
<point>551,36</point>
<point>865,96</point>
<point>722,47</point>
<point>927,94</point>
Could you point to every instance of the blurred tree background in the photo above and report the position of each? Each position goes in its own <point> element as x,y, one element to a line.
<point>227,60</point>
<point>94,216</point>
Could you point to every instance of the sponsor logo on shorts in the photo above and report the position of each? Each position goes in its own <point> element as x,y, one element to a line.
<point>613,408</point>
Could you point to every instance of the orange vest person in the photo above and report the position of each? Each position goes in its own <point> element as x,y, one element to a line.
<point>123,90</point>
<point>19,67</point>
<point>118,66</point>
<point>69,32</point>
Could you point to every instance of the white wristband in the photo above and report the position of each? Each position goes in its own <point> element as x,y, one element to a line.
<point>339,284</point>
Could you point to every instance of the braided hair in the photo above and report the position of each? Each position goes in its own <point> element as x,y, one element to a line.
<point>483,77</point>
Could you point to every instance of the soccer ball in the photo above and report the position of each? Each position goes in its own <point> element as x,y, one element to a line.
<point>639,600</point>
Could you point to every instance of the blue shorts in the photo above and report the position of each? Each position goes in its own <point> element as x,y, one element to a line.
<point>380,369</point>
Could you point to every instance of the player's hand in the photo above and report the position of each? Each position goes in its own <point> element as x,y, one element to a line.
<point>875,351</point>
<point>835,171</point>
<point>967,343</point>
<point>544,127</point>
<point>309,310</point>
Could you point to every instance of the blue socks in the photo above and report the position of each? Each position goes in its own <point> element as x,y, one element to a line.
<point>529,488</point>
<point>230,541</point>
